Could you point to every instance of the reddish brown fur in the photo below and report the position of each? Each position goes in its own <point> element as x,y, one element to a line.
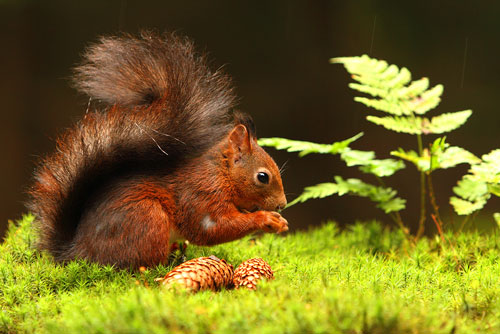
<point>166,157</point>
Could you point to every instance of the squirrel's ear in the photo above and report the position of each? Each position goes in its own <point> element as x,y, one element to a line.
<point>239,139</point>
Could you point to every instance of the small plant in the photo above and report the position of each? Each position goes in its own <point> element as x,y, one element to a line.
<point>405,102</point>
<point>384,196</point>
<point>476,187</point>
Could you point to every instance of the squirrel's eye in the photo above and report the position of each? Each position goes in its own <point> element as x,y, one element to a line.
<point>263,177</point>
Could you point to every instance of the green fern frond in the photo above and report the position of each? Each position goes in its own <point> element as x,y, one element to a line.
<point>494,188</point>
<point>463,207</point>
<point>383,105</point>
<point>405,102</point>
<point>321,190</point>
<point>447,122</point>
<point>357,158</point>
<point>394,93</point>
<point>305,147</point>
<point>392,86</point>
<point>382,168</point>
<point>399,124</point>
<point>489,169</point>
<point>375,74</point>
<point>419,125</point>
<point>384,197</point>
<point>416,88</point>
<point>476,187</point>
<point>427,100</point>
<point>470,189</point>
<point>421,163</point>
<point>368,164</point>
<point>455,155</point>
<point>373,91</point>
<point>441,156</point>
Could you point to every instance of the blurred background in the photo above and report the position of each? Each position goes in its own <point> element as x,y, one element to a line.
<point>277,52</point>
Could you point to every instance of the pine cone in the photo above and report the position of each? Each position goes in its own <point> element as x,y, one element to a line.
<point>249,272</point>
<point>201,274</point>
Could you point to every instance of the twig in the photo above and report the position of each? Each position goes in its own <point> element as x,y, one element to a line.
<point>396,217</point>
<point>433,198</point>
<point>421,222</point>
<point>452,219</point>
<point>466,220</point>
<point>439,228</point>
<point>443,239</point>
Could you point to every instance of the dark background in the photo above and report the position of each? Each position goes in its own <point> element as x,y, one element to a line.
<point>277,53</point>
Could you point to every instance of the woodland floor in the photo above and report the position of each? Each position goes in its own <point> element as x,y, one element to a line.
<point>365,279</point>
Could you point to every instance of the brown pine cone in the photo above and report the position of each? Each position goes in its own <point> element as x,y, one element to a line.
<point>201,274</point>
<point>249,272</point>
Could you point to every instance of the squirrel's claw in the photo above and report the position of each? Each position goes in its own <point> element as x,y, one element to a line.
<point>274,222</point>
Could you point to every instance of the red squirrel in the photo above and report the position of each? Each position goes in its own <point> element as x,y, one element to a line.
<point>164,157</point>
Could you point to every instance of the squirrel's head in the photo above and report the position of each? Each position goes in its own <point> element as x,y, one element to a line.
<point>254,174</point>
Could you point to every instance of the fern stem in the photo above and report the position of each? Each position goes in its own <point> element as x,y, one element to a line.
<point>466,220</point>
<point>432,197</point>
<point>421,222</point>
<point>397,219</point>
<point>439,227</point>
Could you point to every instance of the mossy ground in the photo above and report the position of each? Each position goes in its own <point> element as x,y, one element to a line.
<point>362,280</point>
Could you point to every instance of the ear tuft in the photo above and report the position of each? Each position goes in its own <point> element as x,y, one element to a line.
<point>239,139</point>
<point>246,120</point>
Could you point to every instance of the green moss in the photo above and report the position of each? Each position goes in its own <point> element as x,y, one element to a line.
<point>362,280</point>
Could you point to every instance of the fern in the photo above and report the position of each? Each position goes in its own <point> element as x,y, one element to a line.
<point>304,147</point>
<point>394,93</point>
<point>365,159</point>
<point>405,103</point>
<point>476,187</point>
<point>463,207</point>
<point>421,125</point>
<point>399,124</point>
<point>447,122</point>
<point>489,169</point>
<point>321,190</point>
<point>368,164</point>
<point>384,197</point>
<point>440,156</point>
<point>470,189</point>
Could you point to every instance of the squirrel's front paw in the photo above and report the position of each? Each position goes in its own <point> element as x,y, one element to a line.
<point>273,222</point>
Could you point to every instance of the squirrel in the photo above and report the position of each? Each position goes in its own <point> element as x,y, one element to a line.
<point>163,157</point>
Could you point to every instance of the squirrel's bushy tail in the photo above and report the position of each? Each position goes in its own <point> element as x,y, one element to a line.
<point>163,104</point>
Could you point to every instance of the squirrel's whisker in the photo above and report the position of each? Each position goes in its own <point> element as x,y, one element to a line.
<point>282,168</point>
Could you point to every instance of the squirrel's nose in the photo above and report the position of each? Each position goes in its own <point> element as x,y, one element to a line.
<point>282,204</point>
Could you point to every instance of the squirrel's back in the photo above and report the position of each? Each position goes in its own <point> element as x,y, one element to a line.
<point>160,104</point>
